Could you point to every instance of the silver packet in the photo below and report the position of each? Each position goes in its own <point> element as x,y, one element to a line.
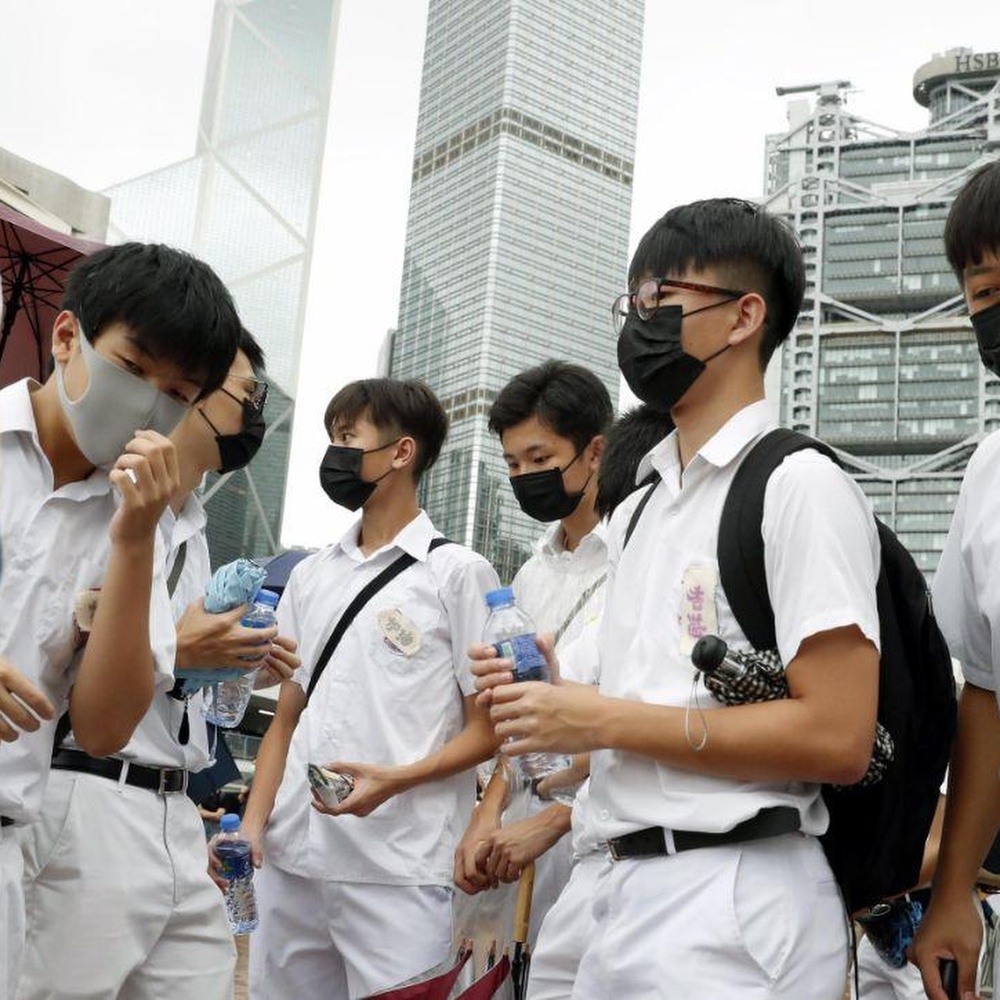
<point>331,786</point>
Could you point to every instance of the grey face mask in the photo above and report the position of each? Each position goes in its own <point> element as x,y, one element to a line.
<point>113,407</point>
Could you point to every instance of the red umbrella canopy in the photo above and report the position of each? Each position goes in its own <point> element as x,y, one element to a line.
<point>34,262</point>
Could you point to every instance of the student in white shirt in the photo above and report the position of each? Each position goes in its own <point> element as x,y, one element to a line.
<point>551,421</point>
<point>163,931</point>
<point>356,898</point>
<point>705,898</point>
<point>145,332</point>
<point>567,926</point>
<point>967,603</point>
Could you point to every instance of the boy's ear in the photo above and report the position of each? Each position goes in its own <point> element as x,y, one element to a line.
<point>65,330</point>
<point>406,453</point>
<point>749,320</point>
<point>596,447</point>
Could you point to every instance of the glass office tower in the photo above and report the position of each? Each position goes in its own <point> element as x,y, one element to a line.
<point>246,204</point>
<point>517,236</point>
<point>883,363</point>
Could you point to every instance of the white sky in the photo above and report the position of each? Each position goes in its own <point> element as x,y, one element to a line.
<point>104,90</point>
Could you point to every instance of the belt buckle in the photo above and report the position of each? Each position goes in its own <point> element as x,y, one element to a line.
<point>613,849</point>
<point>168,772</point>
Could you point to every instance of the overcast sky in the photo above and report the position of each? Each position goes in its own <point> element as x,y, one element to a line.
<point>104,90</point>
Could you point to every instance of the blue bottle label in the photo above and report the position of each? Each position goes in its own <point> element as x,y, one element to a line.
<point>529,664</point>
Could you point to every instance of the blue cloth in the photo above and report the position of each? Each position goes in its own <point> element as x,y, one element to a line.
<point>231,585</point>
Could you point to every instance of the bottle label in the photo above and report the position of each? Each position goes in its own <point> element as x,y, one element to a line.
<point>529,664</point>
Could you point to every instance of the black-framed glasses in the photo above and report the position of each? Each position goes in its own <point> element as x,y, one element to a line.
<point>645,300</point>
<point>256,397</point>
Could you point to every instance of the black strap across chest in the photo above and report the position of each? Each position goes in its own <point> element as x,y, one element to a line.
<point>397,566</point>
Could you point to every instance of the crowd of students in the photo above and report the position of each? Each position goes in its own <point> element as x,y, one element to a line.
<point>689,863</point>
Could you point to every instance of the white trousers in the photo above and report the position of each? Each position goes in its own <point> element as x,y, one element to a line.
<point>565,932</point>
<point>118,900</point>
<point>11,913</point>
<point>880,981</point>
<point>757,920</point>
<point>343,940</point>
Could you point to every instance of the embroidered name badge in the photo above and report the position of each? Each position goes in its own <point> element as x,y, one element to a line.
<point>698,614</point>
<point>398,632</point>
<point>84,610</point>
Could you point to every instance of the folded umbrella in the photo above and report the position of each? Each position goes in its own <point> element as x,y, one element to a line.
<point>521,961</point>
<point>231,585</point>
<point>436,988</point>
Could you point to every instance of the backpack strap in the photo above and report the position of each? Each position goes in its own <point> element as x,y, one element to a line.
<point>653,479</point>
<point>397,566</point>
<point>741,544</point>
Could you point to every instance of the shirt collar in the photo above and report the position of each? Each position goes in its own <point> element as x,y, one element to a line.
<point>720,449</point>
<point>552,542</point>
<point>188,523</point>
<point>18,417</point>
<point>415,539</point>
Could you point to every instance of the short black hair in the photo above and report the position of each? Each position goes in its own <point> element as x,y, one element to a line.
<point>973,226</point>
<point>395,406</point>
<point>174,304</point>
<point>750,249</point>
<point>570,399</point>
<point>629,438</point>
<point>253,351</point>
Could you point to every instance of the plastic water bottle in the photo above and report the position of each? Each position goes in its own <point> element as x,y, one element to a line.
<point>228,700</point>
<point>510,630</point>
<point>237,869</point>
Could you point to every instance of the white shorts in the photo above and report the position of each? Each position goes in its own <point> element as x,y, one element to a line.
<point>118,900</point>
<point>757,920</point>
<point>880,981</point>
<point>11,913</point>
<point>343,940</point>
<point>565,932</point>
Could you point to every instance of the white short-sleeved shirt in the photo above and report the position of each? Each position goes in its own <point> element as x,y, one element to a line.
<point>55,545</point>
<point>550,584</point>
<point>378,704</point>
<point>966,585</point>
<point>155,740</point>
<point>822,559</point>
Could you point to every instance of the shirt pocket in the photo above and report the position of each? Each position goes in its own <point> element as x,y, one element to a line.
<point>405,643</point>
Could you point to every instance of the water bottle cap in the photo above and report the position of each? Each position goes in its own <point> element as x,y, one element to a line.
<point>268,597</point>
<point>229,823</point>
<point>500,597</point>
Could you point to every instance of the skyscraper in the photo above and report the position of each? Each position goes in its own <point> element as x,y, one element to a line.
<point>883,363</point>
<point>517,236</point>
<point>246,203</point>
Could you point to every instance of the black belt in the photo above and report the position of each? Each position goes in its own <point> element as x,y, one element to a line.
<point>5,821</point>
<point>156,779</point>
<point>652,841</point>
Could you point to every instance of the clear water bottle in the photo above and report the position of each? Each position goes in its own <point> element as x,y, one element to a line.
<point>227,701</point>
<point>510,630</point>
<point>234,856</point>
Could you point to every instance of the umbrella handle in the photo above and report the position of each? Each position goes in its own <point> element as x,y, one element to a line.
<point>522,911</point>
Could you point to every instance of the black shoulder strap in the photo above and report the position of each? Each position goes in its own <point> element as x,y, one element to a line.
<point>741,544</point>
<point>654,480</point>
<point>363,596</point>
<point>177,568</point>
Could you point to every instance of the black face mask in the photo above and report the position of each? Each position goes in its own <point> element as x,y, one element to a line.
<point>236,450</point>
<point>986,323</point>
<point>650,356</point>
<point>340,475</point>
<point>542,495</point>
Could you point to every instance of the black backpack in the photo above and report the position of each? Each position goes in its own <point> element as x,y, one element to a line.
<point>875,841</point>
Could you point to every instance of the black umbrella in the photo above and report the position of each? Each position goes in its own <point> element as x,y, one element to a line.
<point>521,962</point>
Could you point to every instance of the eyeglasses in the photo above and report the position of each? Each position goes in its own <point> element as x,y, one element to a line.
<point>257,396</point>
<point>646,298</point>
